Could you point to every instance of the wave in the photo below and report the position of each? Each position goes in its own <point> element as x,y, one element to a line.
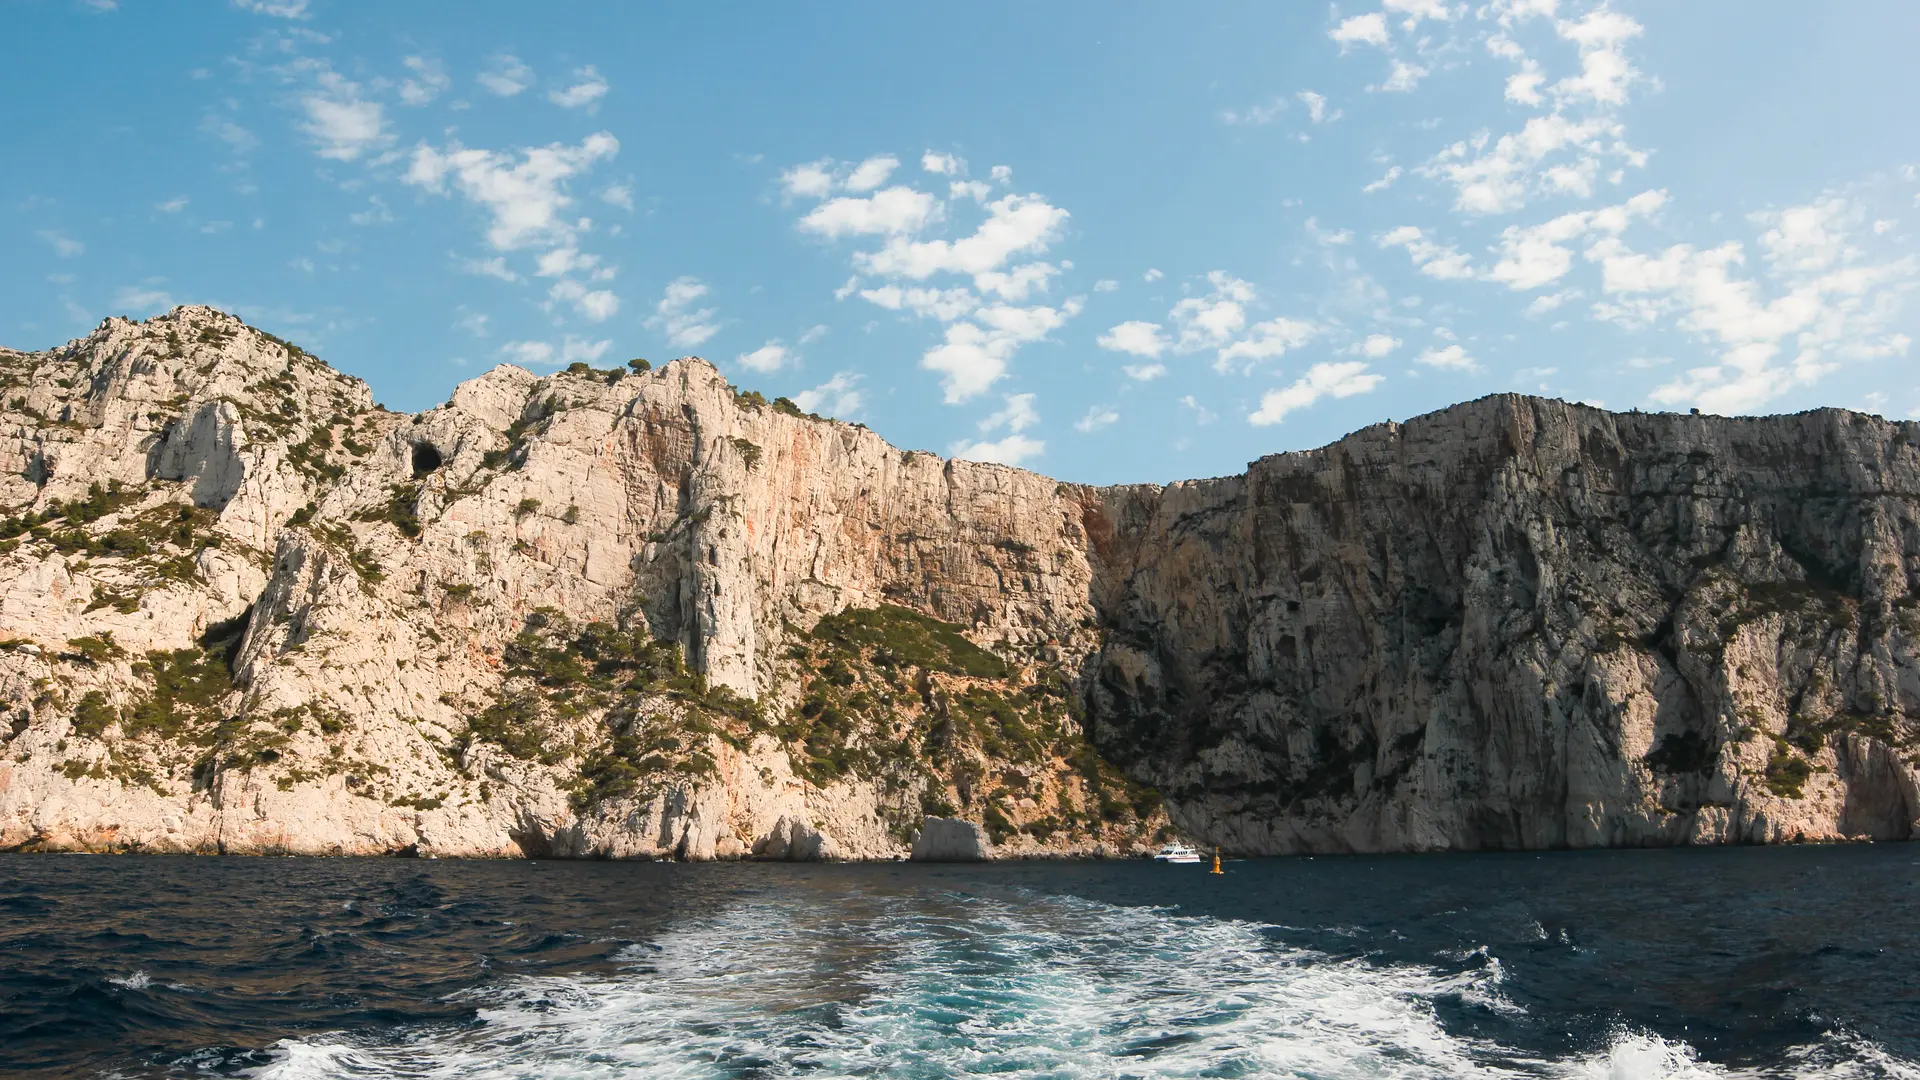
<point>967,986</point>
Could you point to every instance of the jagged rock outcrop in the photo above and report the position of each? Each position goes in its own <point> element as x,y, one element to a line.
<point>951,840</point>
<point>644,614</point>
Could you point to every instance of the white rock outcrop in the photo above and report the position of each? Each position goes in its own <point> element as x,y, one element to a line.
<point>951,840</point>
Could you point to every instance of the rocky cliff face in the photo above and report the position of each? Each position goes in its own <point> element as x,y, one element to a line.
<point>644,614</point>
<point>598,613</point>
<point>1521,624</point>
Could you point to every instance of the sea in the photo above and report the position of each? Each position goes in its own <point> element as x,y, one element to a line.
<point>1736,962</point>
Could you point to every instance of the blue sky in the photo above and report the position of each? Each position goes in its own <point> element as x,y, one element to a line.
<point>1111,242</point>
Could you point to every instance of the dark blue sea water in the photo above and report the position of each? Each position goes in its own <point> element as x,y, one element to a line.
<point>1771,962</point>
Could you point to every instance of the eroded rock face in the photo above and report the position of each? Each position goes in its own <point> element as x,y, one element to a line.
<point>1521,623</point>
<point>641,614</point>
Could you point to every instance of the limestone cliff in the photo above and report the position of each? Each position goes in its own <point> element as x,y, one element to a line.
<point>610,613</point>
<point>1521,623</point>
<point>641,613</point>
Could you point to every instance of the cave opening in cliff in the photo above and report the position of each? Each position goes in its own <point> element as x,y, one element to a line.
<point>426,458</point>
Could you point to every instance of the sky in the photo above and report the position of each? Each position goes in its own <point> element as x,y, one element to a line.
<point>1111,242</point>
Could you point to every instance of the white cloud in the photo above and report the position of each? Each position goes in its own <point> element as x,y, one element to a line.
<point>506,77</point>
<point>945,305</point>
<point>1340,380</point>
<point>473,322</point>
<point>1368,29</point>
<point>1018,283</point>
<point>1377,345</point>
<point>1018,414</point>
<point>1011,450</point>
<point>562,261</point>
<point>1001,174</point>
<point>1450,358</point>
<point>1211,320</point>
<point>1547,302</point>
<point>1829,306</point>
<point>1097,417</point>
<point>1402,77</point>
<point>376,213</point>
<point>767,358</point>
<point>838,396</point>
<point>596,305</point>
<point>1016,224</point>
<point>974,355</point>
<point>943,164</point>
<point>892,211</point>
<point>238,139</point>
<point>1144,372</point>
<point>977,190</point>
<point>1106,285</point>
<point>527,353</point>
<point>1415,10</point>
<point>1605,71</point>
<point>142,300</point>
<point>585,93</point>
<point>1201,414</point>
<point>1255,114</point>
<point>1316,106</point>
<point>495,267</point>
<point>1266,341</point>
<point>62,245</point>
<point>871,173</point>
<point>1137,338</point>
<point>537,353</point>
<point>678,316</point>
<point>813,180</point>
<point>620,195</point>
<point>1152,275</point>
<point>172,206</point>
<point>1533,256</point>
<point>1810,237</point>
<point>342,123</point>
<point>813,334</point>
<point>279,9</point>
<point>428,81</point>
<point>1214,320</point>
<point>1325,237</point>
<point>985,325</point>
<point>1523,86</point>
<point>1501,179</point>
<point>524,196</point>
<point>1434,260</point>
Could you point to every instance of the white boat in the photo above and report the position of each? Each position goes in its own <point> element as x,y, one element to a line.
<point>1177,853</point>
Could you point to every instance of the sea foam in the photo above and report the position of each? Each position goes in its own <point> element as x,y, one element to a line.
<point>867,986</point>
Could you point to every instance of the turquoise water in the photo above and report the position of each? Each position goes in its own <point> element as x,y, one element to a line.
<point>1786,962</point>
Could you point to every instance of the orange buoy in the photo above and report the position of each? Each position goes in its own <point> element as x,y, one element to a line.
<point>1216,862</point>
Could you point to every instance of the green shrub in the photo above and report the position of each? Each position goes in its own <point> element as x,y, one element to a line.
<point>93,651</point>
<point>749,452</point>
<point>908,637</point>
<point>92,715</point>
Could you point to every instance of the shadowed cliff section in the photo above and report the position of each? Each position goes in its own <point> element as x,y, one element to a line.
<point>1520,623</point>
